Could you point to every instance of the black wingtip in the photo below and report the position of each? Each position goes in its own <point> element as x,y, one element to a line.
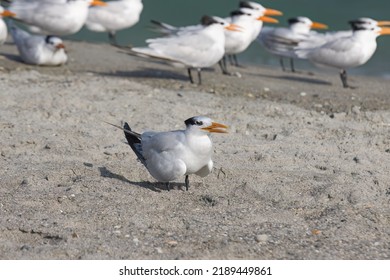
<point>130,138</point>
<point>127,127</point>
<point>133,140</point>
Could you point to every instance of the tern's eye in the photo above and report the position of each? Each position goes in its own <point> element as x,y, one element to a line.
<point>199,123</point>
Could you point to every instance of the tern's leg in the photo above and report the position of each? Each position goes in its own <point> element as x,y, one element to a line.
<point>187,181</point>
<point>167,186</point>
<point>230,57</point>
<point>199,76</point>
<point>292,65</point>
<point>222,64</point>
<point>343,76</point>
<point>236,61</point>
<point>282,64</point>
<point>112,38</point>
<point>190,76</point>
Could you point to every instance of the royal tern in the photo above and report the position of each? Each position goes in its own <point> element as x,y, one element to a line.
<point>3,26</point>
<point>346,52</point>
<point>281,41</point>
<point>53,17</point>
<point>195,49</point>
<point>116,15</point>
<point>256,29</point>
<point>173,154</point>
<point>249,20</point>
<point>257,26</point>
<point>37,49</point>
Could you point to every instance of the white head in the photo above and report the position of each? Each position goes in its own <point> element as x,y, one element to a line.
<point>54,43</point>
<point>251,5</point>
<point>368,24</point>
<point>209,21</point>
<point>259,8</point>
<point>202,124</point>
<point>303,25</point>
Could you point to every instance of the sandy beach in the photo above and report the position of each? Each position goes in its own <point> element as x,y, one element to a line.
<point>304,172</point>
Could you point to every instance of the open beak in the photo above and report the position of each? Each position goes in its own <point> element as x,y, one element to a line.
<point>384,31</point>
<point>7,13</point>
<point>268,19</point>
<point>272,12</point>
<point>318,25</point>
<point>216,128</point>
<point>383,23</point>
<point>98,3</point>
<point>234,27</point>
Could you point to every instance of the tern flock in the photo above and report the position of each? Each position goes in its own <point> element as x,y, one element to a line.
<point>171,155</point>
<point>194,47</point>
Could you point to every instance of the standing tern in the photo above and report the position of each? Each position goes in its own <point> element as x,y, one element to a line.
<point>256,27</point>
<point>248,20</point>
<point>116,15</point>
<point>346,52</point>
<point>281,41</point>
<point>3,26</point>
<point>53,17</point>
<point>194,49</point>
<point>173,154</point>
<point>39,50</point>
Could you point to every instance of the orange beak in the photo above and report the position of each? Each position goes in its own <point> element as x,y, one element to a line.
<point>216,128</point>
<point>7,14</point>
<point>98,3</point>
<point>383,23</point>
<point>234,27</point>
<point>318,25</point>
<point>60,46</point>
<point>268,19</point>
<point>385,31</point>
<point>272,12</point>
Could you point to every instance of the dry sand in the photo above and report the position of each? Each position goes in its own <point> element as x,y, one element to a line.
<point>303,173</point>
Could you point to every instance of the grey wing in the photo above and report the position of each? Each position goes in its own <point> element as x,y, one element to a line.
<point>182,48</point>
<point>280,41</point>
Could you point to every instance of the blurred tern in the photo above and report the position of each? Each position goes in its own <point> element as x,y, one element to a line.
<point>116,15</point>
<point>37,49</point>
<point>3,26</point>
<point>194,49</point>
<point>256,29</point>
<point>173,154</point>
<point>346,52</point>
<point>53,17</point>
<point>249,20</point>
<point>281,41</point>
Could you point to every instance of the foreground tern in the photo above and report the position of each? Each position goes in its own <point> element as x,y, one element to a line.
<point>53,17</point>
<point>249,20</point>
<point>346,52</point>
<point>281,41</point>
<point>194,49</point>
<point>174,154</point>
<point>116,15</point>
<point>37,49</point>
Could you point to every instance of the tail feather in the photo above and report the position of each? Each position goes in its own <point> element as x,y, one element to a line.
<point>134,140</point>
<point>163,28</point>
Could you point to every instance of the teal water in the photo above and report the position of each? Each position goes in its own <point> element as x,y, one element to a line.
<point>334,13</point>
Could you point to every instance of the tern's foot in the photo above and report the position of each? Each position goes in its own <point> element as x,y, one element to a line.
<point>128,47</point>
<point>240,66</point>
